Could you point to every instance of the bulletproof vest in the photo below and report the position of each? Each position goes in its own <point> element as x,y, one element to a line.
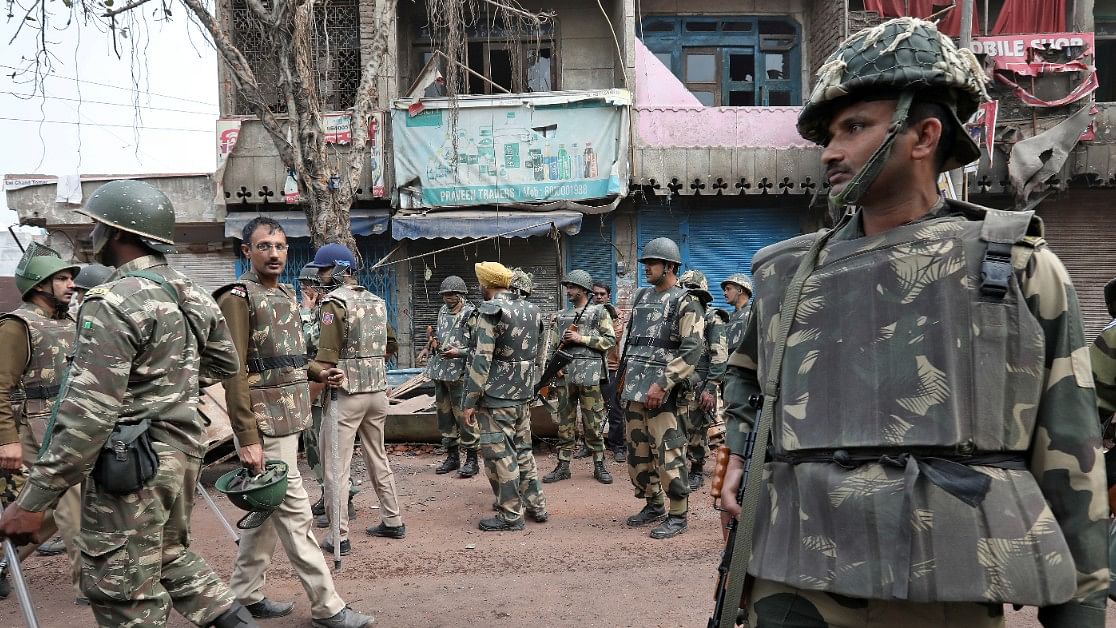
<point>734,333</point>
<point>49,342</point>
<point>912,375</point>
<point>276,360</point>
<point>362,354</point>
<point>587,366</point>
<point>715,320</point>
<point>653,339</point>
<point>452,331</point>
<point>518,334</point>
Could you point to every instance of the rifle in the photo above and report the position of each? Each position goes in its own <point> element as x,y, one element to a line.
<point>560,359</point>
<point>723,569</point>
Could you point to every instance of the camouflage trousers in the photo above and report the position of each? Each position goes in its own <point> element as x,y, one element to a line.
<point>697,430</point>
<point>776,605</point>
<point>509,463</point>
<point>135,551</point>
<point>455,430</point>
<point>65,518</point>
<point>311,439</point>
<point>570,396</point>
<point>656,442</point>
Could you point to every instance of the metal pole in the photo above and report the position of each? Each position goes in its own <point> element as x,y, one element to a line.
<point>335,494</point>
<point>20,585</point>
<point>217,511</point>
<point>958,176</point>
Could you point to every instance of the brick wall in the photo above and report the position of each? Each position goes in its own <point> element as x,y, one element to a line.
<point>825,30</point>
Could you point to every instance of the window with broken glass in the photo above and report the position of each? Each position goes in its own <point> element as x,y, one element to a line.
<point>497,58</point>
<point>734,61</point>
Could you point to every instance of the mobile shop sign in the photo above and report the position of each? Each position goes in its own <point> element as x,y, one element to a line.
<point>1010,52</point>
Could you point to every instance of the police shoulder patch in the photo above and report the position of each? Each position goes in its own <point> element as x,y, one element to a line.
<point>327,318</point>
<point>239,291</point>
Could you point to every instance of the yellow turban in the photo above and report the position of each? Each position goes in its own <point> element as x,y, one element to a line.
<point>493,274</point>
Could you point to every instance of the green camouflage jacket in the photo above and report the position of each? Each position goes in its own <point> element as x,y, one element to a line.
<point>355,337</point>
<point>666,341</point>
<point>1102,355</point>
<point>898,369</point>
<point>737,320</point>
<point>710,369</point>
<point>135,358</point>
<point>595,326</point>
<point>310,330</point>
<point>508,355</point>
<point>453,331</point>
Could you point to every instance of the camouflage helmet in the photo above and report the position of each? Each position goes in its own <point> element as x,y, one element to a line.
<point>579,278</point>
<point>259,494</point>
<point>453,285</point>
<point>695,282</point>
<point>905,59</point>
<point>739,279</point>
<point>663,249</point>
<point>38,264</point>
<point>522,281</point>
<point>92,275</point>
<point>136,207</point>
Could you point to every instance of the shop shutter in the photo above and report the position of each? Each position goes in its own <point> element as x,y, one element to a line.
<point>1072,230</point>
<point>210,270</point>
<point>723,241</point>
<point>592,250</point>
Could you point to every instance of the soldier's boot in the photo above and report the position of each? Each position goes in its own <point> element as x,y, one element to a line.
<point>561,472</point>
<point>600,473</point>
<point>452,461</point>
<point>237,616</point>
<point>650,514</point>
<point>470,468</point>
<point>697,475</point>
<point>319,506</point>
<point>5,585</point>
<point>584,452</point>
<point>345,618</point>
<point>673,526</point>
<point>497,524</point>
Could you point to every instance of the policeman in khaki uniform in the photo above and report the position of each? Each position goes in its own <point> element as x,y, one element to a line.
<point>584,330</point>
<point>705,383</point>
<point>506,358</point>
<point>934,447</point>
<point>737,289</point>
<point>269,406</point>
<point>356,338</point>
<point>36,339</point>
<point>446,368</point>
<point>145,342</point>
<point>661,349</point>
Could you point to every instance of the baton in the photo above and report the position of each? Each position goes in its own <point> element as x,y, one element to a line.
<point>20,585</point>
<point>217,511</point>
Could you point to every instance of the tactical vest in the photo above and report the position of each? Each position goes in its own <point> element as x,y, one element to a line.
<point>910,384</point>
<point>653,341</point>
<point>452,331</point>
<point>365,347</point>
<point>587,367</point>
<point>736,324</point>
<point>48,344</point>
<point>517,337</point>
<point>276,360</point>
<point>715,319</point>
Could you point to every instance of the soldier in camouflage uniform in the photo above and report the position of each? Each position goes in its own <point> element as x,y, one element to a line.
<point>145,342</point>
<point>584,330</point>
<point>737,289</point>
<point>661,349</point>
<point>36,338</point>
<point>506,356</point>
<point>1102,355</point>
<point>704,385</point>
<point>935,452</point>
<point>356,337</point>
<point>446,368</point>
<point>268,402</point>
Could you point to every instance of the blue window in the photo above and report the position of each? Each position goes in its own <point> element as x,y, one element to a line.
<point>733,61</point>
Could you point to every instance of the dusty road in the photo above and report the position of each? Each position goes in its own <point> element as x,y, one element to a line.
<point>582,568</point>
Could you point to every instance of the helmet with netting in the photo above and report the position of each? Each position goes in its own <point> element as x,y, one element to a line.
<point>901,55</point>
<point>579,278</point>
<point>695,282</point>
<point>522,281</point>
<point>739,279</point>
<point>453,285</point>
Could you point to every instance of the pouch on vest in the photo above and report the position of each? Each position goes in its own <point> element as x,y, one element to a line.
<point>127,460</point>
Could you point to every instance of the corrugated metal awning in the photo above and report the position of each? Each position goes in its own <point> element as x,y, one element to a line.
<point>469,224</point>
<point>363,222</point>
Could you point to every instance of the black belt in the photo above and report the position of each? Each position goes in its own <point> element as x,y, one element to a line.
<point>950,472</point>
<point>35,392</point>
<point>646,341</point>
<point>259,365</point>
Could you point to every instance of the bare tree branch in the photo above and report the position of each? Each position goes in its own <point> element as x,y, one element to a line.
<point>125,8</point>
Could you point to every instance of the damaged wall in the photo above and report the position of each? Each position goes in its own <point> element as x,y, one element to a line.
<point>826,29</point>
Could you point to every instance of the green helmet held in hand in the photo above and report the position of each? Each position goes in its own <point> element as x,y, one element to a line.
<point>37,265</point>
<point>133,206</point>
<point>259,494</point>
<point>662,249</point>
<point>579,278</point>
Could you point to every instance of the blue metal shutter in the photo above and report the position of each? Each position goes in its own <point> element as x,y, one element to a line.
<point>592,249</point>
<point>723,241</point>
<point>661,221</point>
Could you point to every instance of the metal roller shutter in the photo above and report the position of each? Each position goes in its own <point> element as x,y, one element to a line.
<point>210,270</point>
<point>537,256</point>
<point>592,250</point>
<point>1073,230</point>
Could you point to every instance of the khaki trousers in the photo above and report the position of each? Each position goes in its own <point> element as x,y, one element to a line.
<point>291,526</point>
<point>363,414</point>
<point>65,518</point>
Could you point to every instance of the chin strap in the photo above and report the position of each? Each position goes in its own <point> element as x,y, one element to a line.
<point>855,188</point>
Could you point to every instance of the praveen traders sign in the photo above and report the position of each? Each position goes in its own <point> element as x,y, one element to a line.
<point>527,148</point>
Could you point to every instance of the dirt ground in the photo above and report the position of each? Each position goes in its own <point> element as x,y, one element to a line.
<point>582,568</point>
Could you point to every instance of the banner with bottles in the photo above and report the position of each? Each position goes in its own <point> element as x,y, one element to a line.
<point>530,148</point>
